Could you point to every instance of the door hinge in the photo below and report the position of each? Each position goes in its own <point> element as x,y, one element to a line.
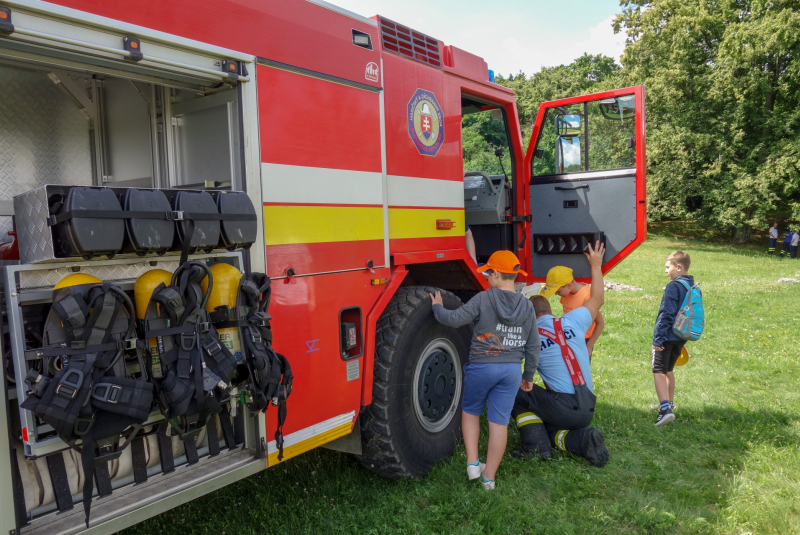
<point>521,218</point>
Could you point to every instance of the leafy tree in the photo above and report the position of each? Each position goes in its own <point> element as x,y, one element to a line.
<point>578,78</point>
<point>723,113</point>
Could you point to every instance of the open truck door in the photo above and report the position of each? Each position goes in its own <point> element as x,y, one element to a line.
<point>587,180</point>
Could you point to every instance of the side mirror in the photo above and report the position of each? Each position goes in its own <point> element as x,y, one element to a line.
<point>568,125</point>
<point>617,107</point>
<point>568,154</point>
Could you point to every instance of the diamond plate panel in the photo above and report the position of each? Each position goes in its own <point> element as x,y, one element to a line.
<point>47,278</point>
<point>44,138</point>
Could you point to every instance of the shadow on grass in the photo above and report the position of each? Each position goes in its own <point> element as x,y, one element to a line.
<point>673,479</point>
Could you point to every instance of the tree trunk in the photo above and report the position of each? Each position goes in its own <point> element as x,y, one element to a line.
<point>743,235</point>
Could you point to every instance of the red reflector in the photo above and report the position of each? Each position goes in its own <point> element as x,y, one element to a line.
<point>444,224</point>
<point>232,67</point>
<point>3,15</point>
<point>25,434</point>
<point>134,44</point>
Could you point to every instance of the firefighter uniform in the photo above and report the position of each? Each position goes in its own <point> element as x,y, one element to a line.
<point>773,239</point>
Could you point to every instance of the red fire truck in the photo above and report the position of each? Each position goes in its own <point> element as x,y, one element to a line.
<point>371,148</point>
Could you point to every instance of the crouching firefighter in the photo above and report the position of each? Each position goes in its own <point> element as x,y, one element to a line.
<point>191,369</point>
<point>93,387</point>
<point>238,307</point>
<point>559,416</point>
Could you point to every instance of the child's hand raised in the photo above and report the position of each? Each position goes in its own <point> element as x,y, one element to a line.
<point>595,255</point>
<point>436,299</point>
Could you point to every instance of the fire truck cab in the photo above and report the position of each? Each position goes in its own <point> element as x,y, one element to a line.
<point>369,149</point>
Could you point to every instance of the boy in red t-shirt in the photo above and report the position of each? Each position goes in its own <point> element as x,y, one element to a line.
<point>573,295</point>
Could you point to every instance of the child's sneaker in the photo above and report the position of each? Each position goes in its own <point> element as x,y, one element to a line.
<point>474,471</point>
<point>488,484</point>
<point>665,417</point>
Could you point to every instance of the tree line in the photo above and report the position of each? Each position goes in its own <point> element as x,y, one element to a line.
<point>722,82</point>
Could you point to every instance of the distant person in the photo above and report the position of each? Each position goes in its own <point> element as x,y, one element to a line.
<point>504,333</point>
<point>559,416</point>
<point>793,245</point>
<point>667,345</point>
<point>773,238</point>
<point>573,295</point>
<point>787,240</point>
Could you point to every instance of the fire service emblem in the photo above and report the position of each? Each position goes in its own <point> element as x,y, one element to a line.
<point>425,122</point>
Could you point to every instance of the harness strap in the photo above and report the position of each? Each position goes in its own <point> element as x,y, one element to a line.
<point>213,438</point>
<point>137,214</point>
<point>60,481</point>
<point>165,449</point>
<point>572,364</point>
<point>139,460</point>
<point>227,428</point>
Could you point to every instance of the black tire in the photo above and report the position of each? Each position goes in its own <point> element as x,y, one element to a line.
<point>401,436</point>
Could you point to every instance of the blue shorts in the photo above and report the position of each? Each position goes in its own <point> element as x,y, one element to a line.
<point>496,383</point>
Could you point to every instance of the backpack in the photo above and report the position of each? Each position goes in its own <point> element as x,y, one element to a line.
<point>691,318</point>
<point>92,387</point>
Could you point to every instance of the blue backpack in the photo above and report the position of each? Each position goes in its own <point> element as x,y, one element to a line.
<point>691,318</point>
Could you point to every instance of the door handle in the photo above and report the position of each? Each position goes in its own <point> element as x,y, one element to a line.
<point>579,186</point>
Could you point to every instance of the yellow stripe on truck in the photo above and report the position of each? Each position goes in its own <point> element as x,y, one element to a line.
<point>309,444</point>
<point>319,224</point>
<point>421,223</point>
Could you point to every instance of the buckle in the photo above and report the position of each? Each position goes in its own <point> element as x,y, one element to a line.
<point>77,344</point>
<point>203,327</point>
<point>212,348</point>
<point>127,345</point>
<point>107,393</point>
<point>256,337</point>
<point>188,341</point>
<point>52,221</point>
<point>67,388</point>
<point>72,322</point>
<point>83,425</point>
<point>174,303</point>
<point>177,215</point>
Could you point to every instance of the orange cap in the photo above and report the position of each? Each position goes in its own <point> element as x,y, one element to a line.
<point>503,262</point>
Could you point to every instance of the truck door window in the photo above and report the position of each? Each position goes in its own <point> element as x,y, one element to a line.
<point>591,136</point>
<point>488,176</point>
<point>484,130</point>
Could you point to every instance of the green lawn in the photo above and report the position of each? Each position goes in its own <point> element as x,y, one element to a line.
<point>729,464</point>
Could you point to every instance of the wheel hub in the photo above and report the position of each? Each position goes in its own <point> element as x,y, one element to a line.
<point>437,385</point>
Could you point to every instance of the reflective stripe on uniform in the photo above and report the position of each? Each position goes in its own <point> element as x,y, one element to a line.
<point>560,436</point>
<point>528,418</point>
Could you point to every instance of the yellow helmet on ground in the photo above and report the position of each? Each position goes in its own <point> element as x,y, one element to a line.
<point>226,286</point>
<point>683,358</point>
<point>144,286</point>
<point>76,279</point>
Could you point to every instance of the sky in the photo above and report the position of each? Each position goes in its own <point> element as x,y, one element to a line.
<point>511,35</point>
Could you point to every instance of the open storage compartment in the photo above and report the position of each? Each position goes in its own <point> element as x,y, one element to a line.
<point>72,123</point>
<point>39,455</point>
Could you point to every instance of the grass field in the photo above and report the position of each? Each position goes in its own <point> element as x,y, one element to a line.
<point>729,464</point>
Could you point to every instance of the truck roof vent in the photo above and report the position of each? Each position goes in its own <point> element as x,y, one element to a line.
<point>410,43</point>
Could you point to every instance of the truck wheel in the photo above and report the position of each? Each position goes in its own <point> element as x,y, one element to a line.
<point>414,420</point>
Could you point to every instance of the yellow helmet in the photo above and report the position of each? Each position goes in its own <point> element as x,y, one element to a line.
<point>226,286</point>
<point>144,286</point>
<point>683,358</point>
<point>76,279</point>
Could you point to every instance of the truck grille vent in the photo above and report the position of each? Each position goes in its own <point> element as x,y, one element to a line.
<point>402,40</point>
